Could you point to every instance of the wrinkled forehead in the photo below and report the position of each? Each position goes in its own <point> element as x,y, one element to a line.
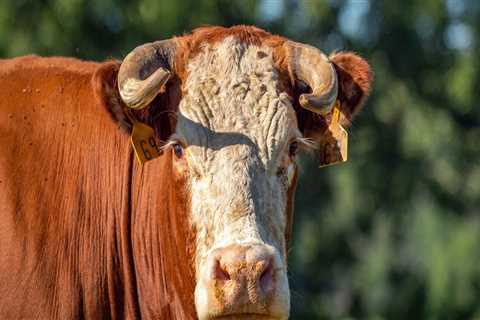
<point>233,98</point>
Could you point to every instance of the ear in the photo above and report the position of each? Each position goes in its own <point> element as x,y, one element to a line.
<point>160,114</point>
<point>104,83</point>
<point>354,83</point>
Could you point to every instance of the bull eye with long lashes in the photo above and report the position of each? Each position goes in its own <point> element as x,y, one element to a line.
<point>178,150</point>
<point>293,149</point>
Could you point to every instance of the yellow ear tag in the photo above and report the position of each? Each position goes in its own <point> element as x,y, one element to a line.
<point>334,143</point>
<point>143,140</point>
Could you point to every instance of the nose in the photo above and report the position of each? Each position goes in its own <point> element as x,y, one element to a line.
<point>243,276</point>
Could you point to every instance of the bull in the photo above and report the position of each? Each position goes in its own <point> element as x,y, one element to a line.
<point>201,229</point>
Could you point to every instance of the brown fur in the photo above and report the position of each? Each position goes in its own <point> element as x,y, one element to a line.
<point>355,79</point>
<point>163,242</point>
<point>83,233</point>
<point>104,82</point>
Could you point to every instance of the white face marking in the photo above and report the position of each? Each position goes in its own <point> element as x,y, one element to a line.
<point>237,125</point>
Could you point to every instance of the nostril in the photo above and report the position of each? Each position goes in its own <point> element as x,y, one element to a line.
<point>219,273</point>
<point>266,278</point>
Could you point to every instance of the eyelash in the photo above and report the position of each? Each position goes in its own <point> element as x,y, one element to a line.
<point>178,150</point>
<point>293,149</point>
<point>292,152</point>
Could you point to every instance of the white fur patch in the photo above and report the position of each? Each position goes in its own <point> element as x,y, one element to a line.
<point>237,125</point>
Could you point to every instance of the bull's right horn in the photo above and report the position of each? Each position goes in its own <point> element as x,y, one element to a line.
<point>310,65</point>
<point>144,72</point>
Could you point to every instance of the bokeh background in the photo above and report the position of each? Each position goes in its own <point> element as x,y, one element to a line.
<point>395,232</point>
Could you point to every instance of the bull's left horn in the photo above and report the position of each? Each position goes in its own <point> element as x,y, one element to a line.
<point>311,66</point>
<point>144,72</point>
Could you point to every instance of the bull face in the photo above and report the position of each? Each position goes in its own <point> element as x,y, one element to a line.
<point>237,128</point>
<point>235,139</point>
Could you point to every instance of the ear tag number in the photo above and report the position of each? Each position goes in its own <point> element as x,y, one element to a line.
<point>334,143</point>
<point>144,142</point>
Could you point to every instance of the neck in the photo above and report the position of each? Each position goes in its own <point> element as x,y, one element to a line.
<point>161,241</point>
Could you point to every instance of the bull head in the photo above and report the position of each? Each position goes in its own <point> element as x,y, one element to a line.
<point>237,127</point>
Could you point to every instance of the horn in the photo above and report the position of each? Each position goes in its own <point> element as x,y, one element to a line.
<point>144,72</point>
<point>310,65</point>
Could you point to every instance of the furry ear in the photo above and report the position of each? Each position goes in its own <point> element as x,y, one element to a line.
<point>160,115</point>
<point>104,83</point>
<point>354,82</point>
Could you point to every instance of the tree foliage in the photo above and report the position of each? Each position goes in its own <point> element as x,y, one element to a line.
<point>392,234</point>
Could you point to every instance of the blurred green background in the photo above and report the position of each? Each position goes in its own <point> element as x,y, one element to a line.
<point>395,232</point>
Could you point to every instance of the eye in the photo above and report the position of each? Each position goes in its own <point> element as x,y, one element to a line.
<point>293,149</point>
<point>178,150</point>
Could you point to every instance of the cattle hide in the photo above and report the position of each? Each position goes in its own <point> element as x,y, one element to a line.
<point>83,230</point>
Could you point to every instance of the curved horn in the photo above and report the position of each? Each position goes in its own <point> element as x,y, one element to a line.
<point>311,66</point>
<point>144,71</point>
